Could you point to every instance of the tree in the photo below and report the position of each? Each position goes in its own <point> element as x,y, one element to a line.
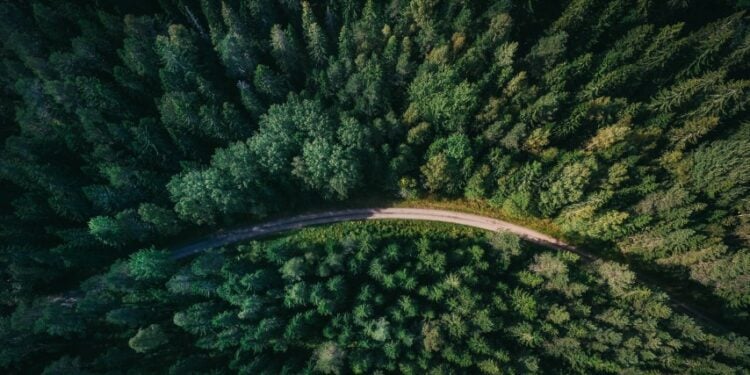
<point>720,169</point>
<point>283,131</point>
<point>441,98</point>
<point>151,264</point>
<point>250,99</point>
<point>178,52</point>
<point>269,83</point>
<point>285,50</point>
<point>232,184</point>
<point>236,52</point>
<point>547,52</point>
<point>565,186</point>
<point>314,35</point>
<point>328,358</point>
<point>448,165</point>
<point>478,186</point>
<point>196,319</point>
<point>164,220</point>
<point>728,276</point>
<point>148,339</point>
<point>138,53</point>
<point>123,229</point>
<point>202,196</point>
<point>366,86</point>
<point>616,276</point>
<point>525,305</point>
<point>327,168</point>
<point>609,136</point>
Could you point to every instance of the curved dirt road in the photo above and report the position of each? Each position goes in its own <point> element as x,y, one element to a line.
<point>301,221</point>
<point>482,222</point>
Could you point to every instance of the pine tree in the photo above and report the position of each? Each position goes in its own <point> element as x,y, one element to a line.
<point>148,339</point>
<point>314,35</point>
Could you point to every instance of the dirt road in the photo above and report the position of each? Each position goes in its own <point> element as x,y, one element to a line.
<point>301,221</point>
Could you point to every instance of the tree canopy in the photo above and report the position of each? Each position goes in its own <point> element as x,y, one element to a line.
<point>619,125</point>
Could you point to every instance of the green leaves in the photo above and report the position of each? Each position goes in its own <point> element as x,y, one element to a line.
<point>440,97</point>
<point>622,122</point>
<point>151,265</point>
<point>327,168</point>
<point>178,52</point>
<point>547,52</point>
<point>231,185</point>
<point>721,169</point>
<point>728,276</point>
<point>123,229</point>
<point>148,339</point>
<point>269,83</point>
<point>203,196</point>
<point>236,49</point>
<point>448,165</point>
<point>525,305</point>
<point>565,186</point>
<point>283,131</point>
<point>138,52</point>
<point>316,39</point>
<point>329,358</point>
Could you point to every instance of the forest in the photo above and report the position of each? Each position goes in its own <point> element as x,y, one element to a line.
<point>362,298</point>
<point>127,127</point>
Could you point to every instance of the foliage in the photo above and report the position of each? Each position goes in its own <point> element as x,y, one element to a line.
<point>374,298</point>
<point>132,124</point>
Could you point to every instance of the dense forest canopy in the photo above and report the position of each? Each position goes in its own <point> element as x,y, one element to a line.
<point>127,125</point>
<point>363,298</point>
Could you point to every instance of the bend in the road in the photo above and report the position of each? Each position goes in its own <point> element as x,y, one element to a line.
<point>301,221</point>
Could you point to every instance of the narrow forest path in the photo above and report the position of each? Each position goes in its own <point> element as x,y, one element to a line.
<point>425,214</point>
